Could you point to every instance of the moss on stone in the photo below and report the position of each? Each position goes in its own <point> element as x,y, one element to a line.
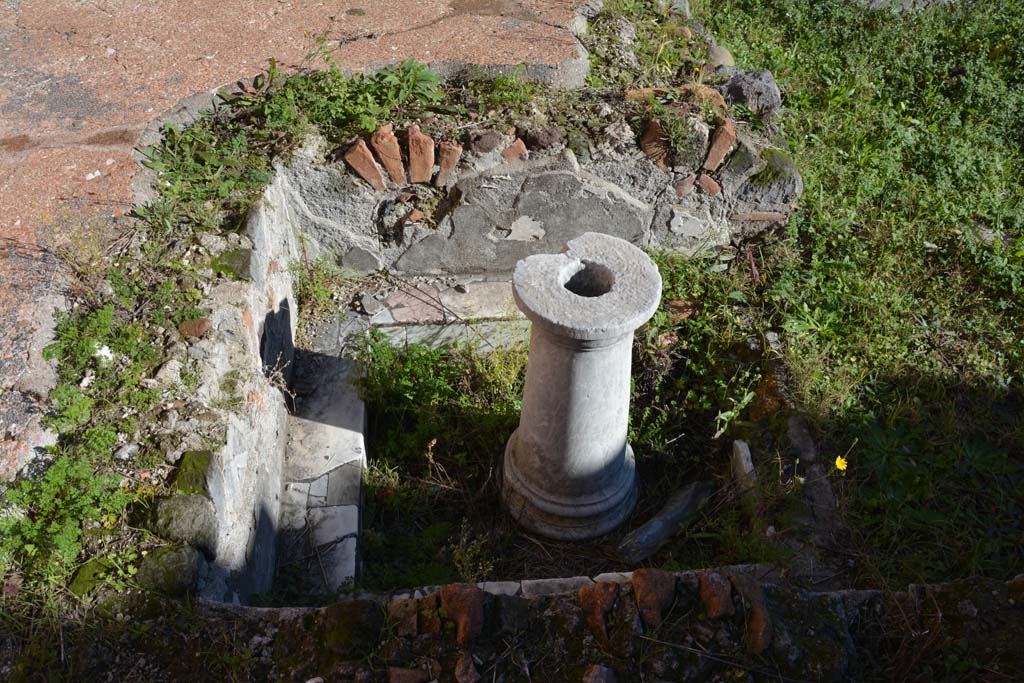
<point>233,263</point>
<point>191,475</point>
<point>90,575</point>
<point>780,164</point>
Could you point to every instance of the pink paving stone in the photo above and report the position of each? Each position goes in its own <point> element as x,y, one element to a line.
<point>419,304</point>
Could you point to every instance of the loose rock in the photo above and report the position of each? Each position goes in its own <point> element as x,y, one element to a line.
<point>719,56</point>
<point>756,90</point>
<point>484,141</point>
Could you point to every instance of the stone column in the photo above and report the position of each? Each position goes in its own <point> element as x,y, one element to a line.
<point>568,471</point>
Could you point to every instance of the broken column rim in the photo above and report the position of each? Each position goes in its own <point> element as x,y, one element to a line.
<point>539,287</point>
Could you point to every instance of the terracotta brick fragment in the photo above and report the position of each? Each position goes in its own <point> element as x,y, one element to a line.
<point>398,674</point>
<point>421,156</point>
<point>463,603</point>
<point>685,186</point>
<point>450,153</point>
<point>515,151</point>
<point>709,184</point>
<point>655,144</point>
<point>385,144</point>
<point>597,600</point>
<point>414,216</point>
<point>771,216</point>
<point>429,609</point>
<point>402,614</point>
<point>716,595</point>
<point>655,591</point>
<point>358,156</point>
<point>758,633</point>
<point>722,142</point>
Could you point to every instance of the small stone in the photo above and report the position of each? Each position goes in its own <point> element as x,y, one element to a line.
<point>685,186</point>
<point>450,153</point>
<point>421,155</point>
<point>385,144</point>
<point>719,56</point>
<point>189,519</point>
<point>655,591</point>
<point>681,7</point>
<point>127,451</point>
<point>597,600</point>
<point>360,260</point>
<point>742,466</point>
<point>359,158</point>
<point>463,603</point>
<point>655,144</point>
<point>169,570</point>
<point>599,674</point>
<point>716,595</point>
<point>195,328</point>
<point>402,614</point>
<point>484,141</point>
<point>397,674</point>
<point>709,184</point>
<point>371,305</point>
<point>757,91</point>
<point>465,669</point>
<point>515,151</point>
<point>721,144</point>
<point>541,138</point>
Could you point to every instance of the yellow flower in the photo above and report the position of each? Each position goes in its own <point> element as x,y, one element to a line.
<point>841,463</point>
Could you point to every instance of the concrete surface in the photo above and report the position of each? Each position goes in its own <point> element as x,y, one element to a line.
<point>80,82</point>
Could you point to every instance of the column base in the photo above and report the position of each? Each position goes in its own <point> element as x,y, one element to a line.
<point>562,519</point>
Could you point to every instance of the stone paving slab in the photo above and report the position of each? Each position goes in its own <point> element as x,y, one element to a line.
<point>79,82</point>
<point>328,430</point>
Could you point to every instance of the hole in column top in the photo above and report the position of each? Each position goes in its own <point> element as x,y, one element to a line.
<point>592,279</point>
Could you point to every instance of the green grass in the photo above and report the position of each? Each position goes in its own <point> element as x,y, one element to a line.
<point>903,318</point>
